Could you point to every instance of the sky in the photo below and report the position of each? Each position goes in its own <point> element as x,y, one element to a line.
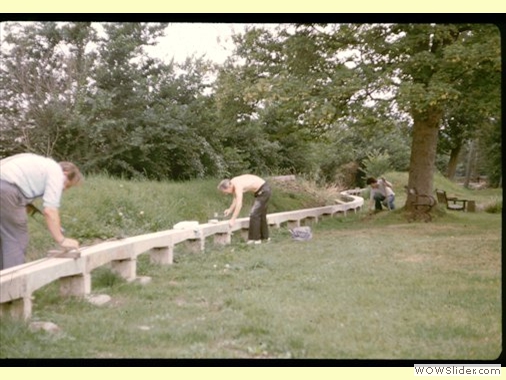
<point>184,39</point>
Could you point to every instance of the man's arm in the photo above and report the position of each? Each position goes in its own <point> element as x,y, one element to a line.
<point>231,208</point>
<point>371,199</point>
<point>52,217</point>
<point>238,202</point>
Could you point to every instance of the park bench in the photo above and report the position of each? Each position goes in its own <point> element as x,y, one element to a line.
<point>452,203</point>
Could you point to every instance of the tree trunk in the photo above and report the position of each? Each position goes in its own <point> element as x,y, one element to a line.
<point>469,164</point>
<point>452,163</point>
<point>423,154</point>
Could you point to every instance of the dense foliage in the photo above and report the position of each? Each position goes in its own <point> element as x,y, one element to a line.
<point>327,101</point>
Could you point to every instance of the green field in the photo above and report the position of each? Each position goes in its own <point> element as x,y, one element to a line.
<point>367,286</point>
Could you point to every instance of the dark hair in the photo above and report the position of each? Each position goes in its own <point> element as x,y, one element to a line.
<point>371,180</point>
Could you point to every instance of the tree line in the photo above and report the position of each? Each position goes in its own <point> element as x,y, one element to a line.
<point>331,101</point>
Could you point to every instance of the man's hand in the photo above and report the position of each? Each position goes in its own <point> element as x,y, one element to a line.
<point>69,244</point>
<point>226,212</point>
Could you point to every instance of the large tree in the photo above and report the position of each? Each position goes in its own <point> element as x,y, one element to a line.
<point>44,73</point>
<point>90,94</point>
<point>303,98</point>
<point>430,69</point>
<point>478,82</point>
<point>285,89</point>
<point>309,80</point>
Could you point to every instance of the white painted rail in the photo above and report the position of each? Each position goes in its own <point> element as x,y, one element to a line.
<point>17,284</point>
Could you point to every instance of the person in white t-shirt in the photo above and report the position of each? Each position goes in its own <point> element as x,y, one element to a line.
<point>382,194</point>
<point>23,178</point>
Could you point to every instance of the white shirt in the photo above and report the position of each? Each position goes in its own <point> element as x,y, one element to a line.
<point>36,176</point>
<point>382,189</point>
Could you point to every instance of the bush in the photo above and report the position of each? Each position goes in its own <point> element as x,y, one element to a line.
<point>494,207</point>
<point>376,164</point>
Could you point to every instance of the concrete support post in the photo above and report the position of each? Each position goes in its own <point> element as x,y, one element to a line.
<point>125,268</point>
<point>162,255</point>
<point>222,239</point>
<point>17,309</point>
<point>79,285</point>
<point>196,245</point>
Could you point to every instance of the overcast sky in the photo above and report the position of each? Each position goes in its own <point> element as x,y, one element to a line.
<point>214,40</point>
<point>185,39</point>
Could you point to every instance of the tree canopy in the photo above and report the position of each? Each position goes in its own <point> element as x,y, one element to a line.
<point>330,101</point>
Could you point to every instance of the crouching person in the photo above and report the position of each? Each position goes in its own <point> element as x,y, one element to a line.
<point>381,194</point>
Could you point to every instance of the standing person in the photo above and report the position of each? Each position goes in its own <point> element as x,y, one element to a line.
<point>381,193</point>
<point>24,177</point>
<point>258,227</point>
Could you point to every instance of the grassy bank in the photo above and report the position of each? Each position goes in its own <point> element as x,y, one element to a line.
<point>365,287</point>
<point>105,208</point>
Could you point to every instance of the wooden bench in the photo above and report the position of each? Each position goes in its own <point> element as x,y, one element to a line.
<point>452,203</point>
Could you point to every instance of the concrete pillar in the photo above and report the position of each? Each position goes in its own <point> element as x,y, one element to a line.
<point>125,268</point>
<point>195,245</point>
<point>162,255</point>
<point>222,239</point>
<point>79,285</point>
<point>17,309</point>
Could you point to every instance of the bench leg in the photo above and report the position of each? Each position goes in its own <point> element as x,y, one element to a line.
<point>222,239</point>
<point>195,245</point>
<point>125,268</point>
<point>79,285</point>
<point>17,309</point>
<point>162,255</point>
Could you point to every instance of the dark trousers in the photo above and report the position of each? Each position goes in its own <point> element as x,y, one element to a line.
<point>258,227</point>
<point>378,200</point>
<point>13,225</point>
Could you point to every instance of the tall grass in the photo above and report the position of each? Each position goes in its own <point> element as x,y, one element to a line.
<point>365,287</point>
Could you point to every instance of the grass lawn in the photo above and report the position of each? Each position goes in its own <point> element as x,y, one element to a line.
<point>365,287</point>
